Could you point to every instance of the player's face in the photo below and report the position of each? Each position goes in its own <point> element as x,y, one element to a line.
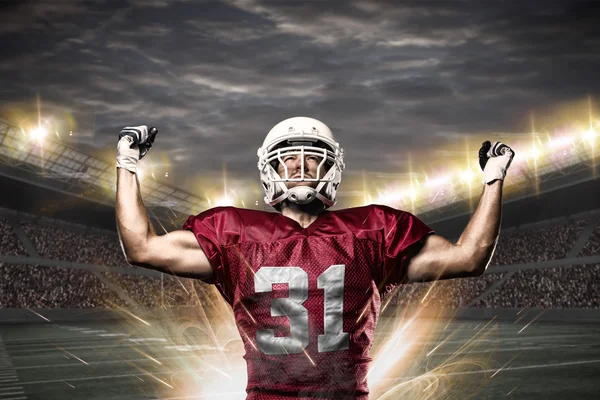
<point>294,165</point>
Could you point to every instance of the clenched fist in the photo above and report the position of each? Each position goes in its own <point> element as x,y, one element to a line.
<point>134,143</point>
<point>494,160</point>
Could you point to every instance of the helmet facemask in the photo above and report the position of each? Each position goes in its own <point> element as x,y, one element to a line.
<point>330,167</point>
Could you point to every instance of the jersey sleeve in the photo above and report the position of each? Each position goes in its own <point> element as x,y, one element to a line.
<point>214,229</point>
<point>402,230</point>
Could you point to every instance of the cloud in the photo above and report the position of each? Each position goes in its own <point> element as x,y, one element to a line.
<point>25,16</point>
<point>152,30</point>
<point>389,77</point>
<point>229,31</point>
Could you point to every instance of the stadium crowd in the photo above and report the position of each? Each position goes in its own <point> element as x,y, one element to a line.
<point>156,292</point>
<point>539,244</point>
<point>30,286</point>
<point>592,246</point>
<point>10,245</point>
<point>575,286</point>
<point>452,293</point>
<point>81,247</point>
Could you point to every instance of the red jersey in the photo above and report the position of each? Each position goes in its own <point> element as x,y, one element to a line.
<point>306,300</point>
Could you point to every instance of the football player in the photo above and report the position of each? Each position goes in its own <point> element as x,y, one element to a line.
<point>305,283</point>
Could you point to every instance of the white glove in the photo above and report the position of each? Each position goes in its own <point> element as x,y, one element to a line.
<point>134,143</point>
<point>494,160</point>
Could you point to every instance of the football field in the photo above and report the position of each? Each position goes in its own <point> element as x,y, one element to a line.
<point>463,359</point>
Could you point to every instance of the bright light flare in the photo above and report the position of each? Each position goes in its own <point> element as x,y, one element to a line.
<point>38,133</point>
<point>467,176</point>
<point>39,315</point>
<point>559,142</point>
<point>437,182</point>
<point>391,355</point>
<point>589,135</point>
<point>412,193</point>
<point>224,201</point>
<point>136,317</point>
<point>390,197</point>
<point>534,153</point>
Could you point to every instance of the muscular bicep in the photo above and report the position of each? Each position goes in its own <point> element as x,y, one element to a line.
<point>177,253</point>
<point>436,258</point>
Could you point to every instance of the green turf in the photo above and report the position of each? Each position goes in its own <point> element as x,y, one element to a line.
<point>72,361</point>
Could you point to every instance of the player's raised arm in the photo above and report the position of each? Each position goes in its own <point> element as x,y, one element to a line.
<point>177,252</point>
<point>438,258</point>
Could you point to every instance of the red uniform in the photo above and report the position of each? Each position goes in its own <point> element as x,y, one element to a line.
<point>306,300</point>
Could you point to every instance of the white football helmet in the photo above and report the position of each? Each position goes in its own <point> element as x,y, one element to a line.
<point>300,136</point>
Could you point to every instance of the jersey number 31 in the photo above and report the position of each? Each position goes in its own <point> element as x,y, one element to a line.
<point>331,281</point>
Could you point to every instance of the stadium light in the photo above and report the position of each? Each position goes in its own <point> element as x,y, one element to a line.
<point>559,142</point>
<point>38,133</point>
<point>224,201</point>
<point>390,197</point>
<point>412,193</point>
<point>533,153</point>
<point>440,181</point>
<point>467,176</point>
<point>589,135</point>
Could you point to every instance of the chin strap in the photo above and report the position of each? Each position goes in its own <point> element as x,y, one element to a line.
<point>304,194</point>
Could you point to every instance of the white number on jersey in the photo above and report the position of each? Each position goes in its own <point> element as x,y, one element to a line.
<point>332,281</point>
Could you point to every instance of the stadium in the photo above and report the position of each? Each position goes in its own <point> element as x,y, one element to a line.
<point>476,120</point>
<point>528,326</point>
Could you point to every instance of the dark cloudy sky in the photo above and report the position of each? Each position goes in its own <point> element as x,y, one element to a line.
<point>391,78</point>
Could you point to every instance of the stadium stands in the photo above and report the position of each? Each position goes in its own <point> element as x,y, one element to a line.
<point>575,286</point>
<point>152,292</point>
<point>68,245</point>
<point>10,244</point>
<point>592,247</point>
<point>26,286</point>
<point>539,244</point>
<point>453,293</point>
<point>30,286</point>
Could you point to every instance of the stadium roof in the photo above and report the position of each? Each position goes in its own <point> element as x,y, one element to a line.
<point>563,161</point>
<point>72,171</point>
